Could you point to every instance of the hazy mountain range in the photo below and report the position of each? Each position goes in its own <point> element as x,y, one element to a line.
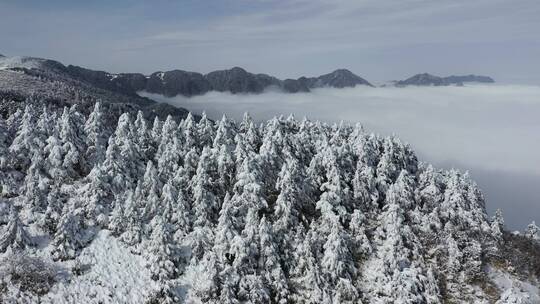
<point>186,83</point>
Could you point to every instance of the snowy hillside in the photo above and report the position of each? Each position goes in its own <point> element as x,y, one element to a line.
<point>286,211</point>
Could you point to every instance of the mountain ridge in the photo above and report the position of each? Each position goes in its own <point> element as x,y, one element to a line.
<point>426,79</point>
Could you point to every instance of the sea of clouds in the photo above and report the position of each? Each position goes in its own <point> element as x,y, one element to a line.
<point>491,130</point>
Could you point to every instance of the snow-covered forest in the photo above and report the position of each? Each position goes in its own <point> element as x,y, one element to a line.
<point>202,211</point>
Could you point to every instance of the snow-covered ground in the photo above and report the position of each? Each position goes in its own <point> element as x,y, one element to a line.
<point>513,289</point>
<point>19,62</point>
<point>116,276</point>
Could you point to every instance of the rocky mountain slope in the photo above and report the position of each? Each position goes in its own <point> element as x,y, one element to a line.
<point>28,80</point>
<point>178,82</point>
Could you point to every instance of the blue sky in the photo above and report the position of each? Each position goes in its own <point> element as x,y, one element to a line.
<point>379,40</point>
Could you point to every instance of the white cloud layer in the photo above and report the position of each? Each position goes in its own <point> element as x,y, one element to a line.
<point>494,127</point>
<point>494,130</point>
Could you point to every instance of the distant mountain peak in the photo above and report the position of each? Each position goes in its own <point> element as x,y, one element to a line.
<point>341,78</point>
<point>426,79</point>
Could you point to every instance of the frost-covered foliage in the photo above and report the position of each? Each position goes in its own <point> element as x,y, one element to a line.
<point>282,212</point>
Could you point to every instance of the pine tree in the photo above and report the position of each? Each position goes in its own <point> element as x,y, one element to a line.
<point>4,146</point>
<point>73,142</point>
<point>205,288</point>
<point>289,207</point>
<point>143,136</point>
<point>96,197</point>
<point>226,232</point>
<point>497,224</point>
<point>44,124</point>
<point>122,158</point>
<point>205,131</point>
<point>36,185</point>
<point>127,219</point>
<point>225,169</point>
<point>189,128</point>
<point>55,156</point>
<point>337,262</point>
<point>150,192</point>
<point>205,202</point>
<point>533,232</point>
<point>55,204</point>
<point>68,239</point>
<point>96,137</point>
<point>270,264</point>
<point>395,273</point>
<point>26,141</point>
<point>225,134</point>
<point>161,252</point>
<point>14,236</point>
<point>13,123</point>
<point>307,277</point>
<point>181,217</point>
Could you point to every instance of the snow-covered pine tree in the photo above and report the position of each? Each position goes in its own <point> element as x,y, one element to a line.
<point>306,278</point>
<point>189,128</point>
<point>205,288</point>
<point>122,158</point>
<point>36,186</point>
<point>181,216</point>
<point>225,134</point>
<point>96,197</point>
<point>70,235</point>
<point>205,202</point>
<point>160,252</point>
<point>274,276</point>
<point>497,224</point>
<point>291,204</point>
<point>71,134</point>
<point>14,236</point>
<point>96,137</point>
<point>143,136</point>
<point>205,131</point>
<point>533,232</point>
<point>4,146</point>
<point>396,272</point>
<point>26,141</point>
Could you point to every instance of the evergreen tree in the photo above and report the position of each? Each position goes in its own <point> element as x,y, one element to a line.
<point>160,251</point>
<point>307,276</point>
<point>271,266</point>
<point>497,224</point>
<point>205,288</point>
<point>225,134</point>
<point>129,218</point>
<point>4,146</point>
<point>26,141</point>
<point>14,236</point>
<point>288,210</point>
<point>205,131</point>
<point>122,158</point>
<point>205,202</point>
<point>36,185</point>
<point>143,136</point>
<point>73,142</point>
<point>96,197</point>
<point>533,232</point>
<point>69,238</point>
<point>96,137</point>
<point>395,273</point>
